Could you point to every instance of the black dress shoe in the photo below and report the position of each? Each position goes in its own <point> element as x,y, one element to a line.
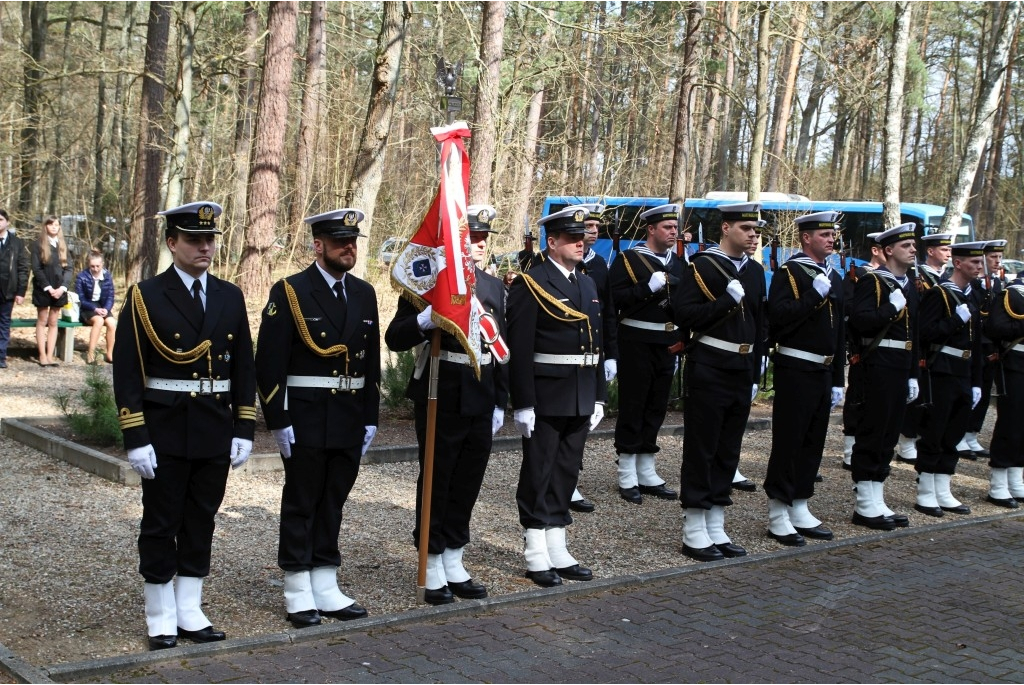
<point>547,578</point>
<point>962,509</point>
<point>873,522</point>
<point>730,550</point>
<point>305,619</point>
<point>469,589</point>
<point>929,511</point>
<point>207,634</point>
<point>901,458</point>
<point>969,456</point>
<point>349,613</point>
<point>789,540</point>
<point>584,506</point>
<point>659,491</point>
<point>441,595</point>
<point>631,495</point>
<point>819,532</point>
<point>900,520</point>
<point>162,642</point>
<point>1008,503</point>
<point>711,553</point>
<point>746,485</point>
<point>847,467</point>
<point>575,572</point>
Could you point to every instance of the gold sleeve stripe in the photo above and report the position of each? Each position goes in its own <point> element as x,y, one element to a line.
<point>629,268</point>
<point>700,282</point>
<point>247,413</point>
<point>266,398</point>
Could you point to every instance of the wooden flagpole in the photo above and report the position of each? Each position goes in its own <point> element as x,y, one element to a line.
<point>428,466</point>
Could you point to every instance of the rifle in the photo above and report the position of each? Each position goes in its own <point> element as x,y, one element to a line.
<point>773,259</point>
<point>616,234</point>
<point>701,246</point>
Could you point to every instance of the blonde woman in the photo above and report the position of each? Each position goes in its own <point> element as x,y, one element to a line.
<point>51,278</point>
<point>95,288</point>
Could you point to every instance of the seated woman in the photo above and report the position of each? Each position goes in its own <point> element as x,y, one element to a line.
<point>95,288</point>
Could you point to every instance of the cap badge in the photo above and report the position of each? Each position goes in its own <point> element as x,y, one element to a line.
<point>578,216</point>
<point>205,214</point>
<point>350,219</point>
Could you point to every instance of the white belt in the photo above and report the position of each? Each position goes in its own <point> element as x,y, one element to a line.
<point>1017,348</point>
<point>460,358</point>
<point>952,351</point>
<point>329,382</point>
<point>738,348</point>
<point>203,386</point>
<point>648,325</point>
<point>890,343</point>
<point>806,356</point>
<point>566,359</point>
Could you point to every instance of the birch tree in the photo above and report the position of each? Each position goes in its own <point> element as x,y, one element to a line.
<point>892,138</point>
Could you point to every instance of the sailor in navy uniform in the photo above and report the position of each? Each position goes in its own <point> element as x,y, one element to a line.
<point>938,249</point>
<point>984,292</point>
<point>721,301</point>
<point>805,317</point>
<point>854,386</point>
<point>883,319</point>
<point>318,374</point>
<point>948,326</point>
<point>558,391</point>
<point>470,411</point>
<point>185,388</point>
<point>1005,328</point>
<point>643,282</point>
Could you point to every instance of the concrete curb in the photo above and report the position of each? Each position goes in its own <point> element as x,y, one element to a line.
<point>82,669</point>
<point>26,431</point>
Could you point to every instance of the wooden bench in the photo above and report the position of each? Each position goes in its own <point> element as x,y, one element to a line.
<point>65,341</point>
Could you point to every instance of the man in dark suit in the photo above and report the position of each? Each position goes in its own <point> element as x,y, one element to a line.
<point>317,372</point>
<point>13,280</point>
<point>721,300</point>
<point>558,391</point>
<point>470,411</point>
<point>643,280</point>
<point>185,387</point>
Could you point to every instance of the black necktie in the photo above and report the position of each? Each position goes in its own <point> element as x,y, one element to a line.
<point>339,288</point>
<point>197,288</point>
<point>572,278</point>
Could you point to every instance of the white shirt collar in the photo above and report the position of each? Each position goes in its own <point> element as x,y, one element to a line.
<point>188,279</point>
<point>331,280</point>
<point>565,272</point>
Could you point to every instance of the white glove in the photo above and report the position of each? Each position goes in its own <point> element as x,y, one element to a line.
<point>897,299</point>
<point>240,451</point>
<point>598,414</point>
<point>497,420</point>
<point>975,397</point>
<point>371,432</point>
<point>525,420</point>
<point>753,393</point>
<point>963,311</point>
<point>657,281</point>
<point>735,290</point>
<point>912,390</point>
<point>822,284</point>
<point>837,397</point>
<point>423,319</point>
<point>285,439</point>
<point>143,461</point>
<point>611,368</point>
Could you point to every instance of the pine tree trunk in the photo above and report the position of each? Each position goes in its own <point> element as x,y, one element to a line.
<point>681,157</point>
<point>761,104</point>
<point>892,137</point>
<point>245,107</point>
<point>309,124</point>
<point>263,201</point>
<point>33,41</point>
<point>784,103</point>
<point>99,146</point>
<point>726,137</point>
<point>485,110</point>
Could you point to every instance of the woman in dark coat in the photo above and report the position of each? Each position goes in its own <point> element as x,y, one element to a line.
<point>95,288</point>
<point>51,278</point>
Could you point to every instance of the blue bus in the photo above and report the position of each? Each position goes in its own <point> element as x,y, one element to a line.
<point>702,219</point>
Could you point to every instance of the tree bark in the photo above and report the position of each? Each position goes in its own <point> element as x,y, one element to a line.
<point>784,103</point>
<point>245,107</point>
<point>725,140</point>
<point>761,103</point>
<point>681,157</point>
<point>120,126</point>
<point>309,123</point>
<point>143,236</point>
<point>33,41</point>
<point>56,167</point>
<point>368,168</point>
<point>485,110</point>
<point>981,126</point>
<point>254,268</point>
<point>99,145</point>
<point>892,135</point>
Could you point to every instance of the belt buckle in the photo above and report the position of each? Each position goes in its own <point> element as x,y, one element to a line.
<point>827,360</point>
<point>966,354</point>
<point>205,386</point>
<point>909,346</point>
<point>589,359</point>
<point>344,383</point>
<point>744,348</point>
<point>670,326</point>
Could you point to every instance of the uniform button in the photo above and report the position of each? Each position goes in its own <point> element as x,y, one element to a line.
<point>195,375</point>
<point>220,357</point>
<point>323,334</point>
<point>333,391</point>
<point>193,394</point>
<point>218,377</point>
<point>353,392</point>
<point>231,336</point>
<point>217,396</point>
<point>582,349</point>
<point>334,373</point>
<point>177,336</point>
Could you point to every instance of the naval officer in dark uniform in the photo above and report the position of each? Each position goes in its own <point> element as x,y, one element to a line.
<point>1005,328</point>
<point>186,395</point>
<point>318,370</point>
<point>721,301</point>
<point>558,391</point>
<point>470,411</point>
<point>805,317</point>
<point>883,319</point>
<point>643,281</point>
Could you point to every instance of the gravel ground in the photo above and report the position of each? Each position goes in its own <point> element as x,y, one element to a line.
<point>69,589</point>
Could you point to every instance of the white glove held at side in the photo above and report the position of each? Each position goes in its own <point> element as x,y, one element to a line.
<point>964,312</point>
<point>285,438</point>
<point>735,290</point>
<point>975,397</point>
<point>837,397</point>
<point>371,432</point>
<point>753,393</point>
<point>897,299</point>
<point>497,420</point>
<point>423,319</point>
<point>611,369</point>
<point>525,420</point>
<point>143,461</point>
<point>912,390</point>
<point>598,414</point>
<point>822,284</point>
<point>241,448</point>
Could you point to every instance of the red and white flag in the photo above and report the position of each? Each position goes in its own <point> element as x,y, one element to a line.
<point>435,268</point>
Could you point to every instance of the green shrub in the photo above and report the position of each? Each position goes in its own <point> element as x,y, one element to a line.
<point>98,423</point>
<point>394,378</point>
